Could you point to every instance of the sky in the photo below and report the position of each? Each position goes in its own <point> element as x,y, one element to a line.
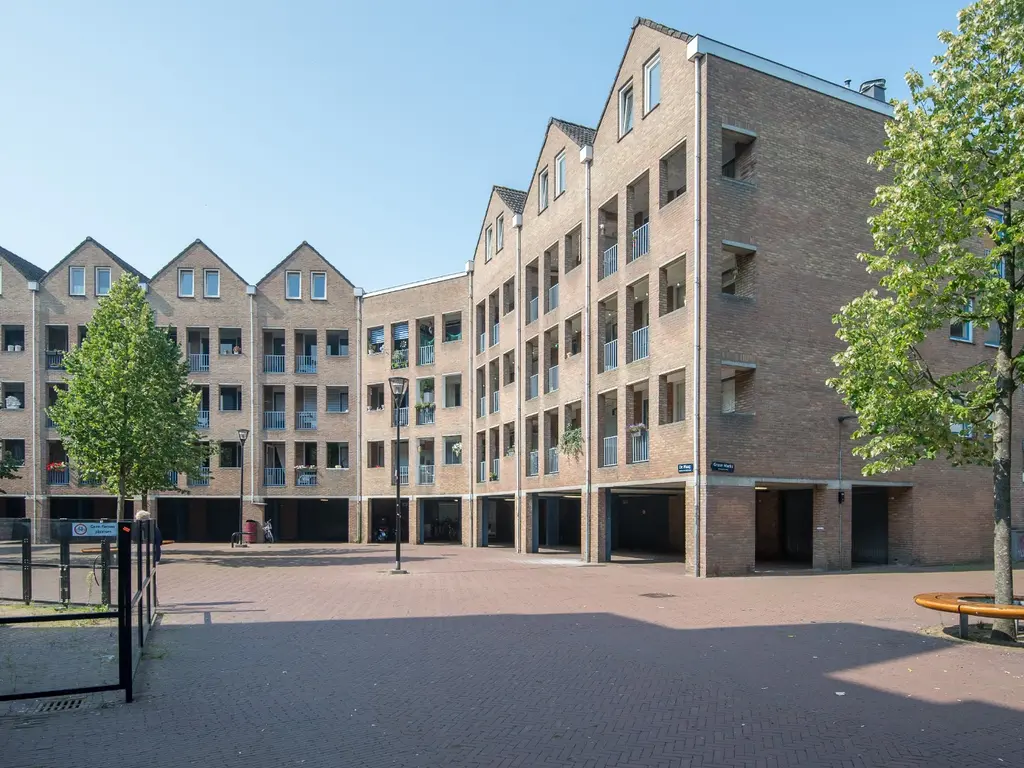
<point>374,131</point>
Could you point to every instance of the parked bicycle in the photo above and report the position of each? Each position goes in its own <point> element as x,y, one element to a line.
<point>268,532</point>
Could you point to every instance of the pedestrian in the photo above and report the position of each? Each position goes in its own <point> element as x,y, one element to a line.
<point>158,538</point>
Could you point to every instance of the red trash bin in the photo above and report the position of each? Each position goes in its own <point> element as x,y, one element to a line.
<point>249,532</point>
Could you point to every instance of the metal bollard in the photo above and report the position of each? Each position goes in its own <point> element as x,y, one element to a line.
<point>65,560</point>
<point>105,571</point>
<point>26,569</point>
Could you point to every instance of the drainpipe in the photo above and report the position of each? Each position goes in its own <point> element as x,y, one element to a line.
<point>698,140</point>
<point>517,285</point>
<point>356,455</point>
<point>251,290</point>
<point>587,158</point>
<point>839,493</point>
<point>471,410</point>
<point>33,287</point>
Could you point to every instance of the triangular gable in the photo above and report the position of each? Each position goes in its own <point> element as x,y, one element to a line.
<point>298,248</point>
<point>571,131</point>
<point>514,199</point>
<point>188,250</point>
<point>27,269</point>
<point>113,257</point>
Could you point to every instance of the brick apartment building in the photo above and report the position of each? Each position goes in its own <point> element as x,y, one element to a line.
<point>664,284</point>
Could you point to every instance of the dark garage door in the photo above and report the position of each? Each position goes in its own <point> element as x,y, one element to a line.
<point>870,538</point>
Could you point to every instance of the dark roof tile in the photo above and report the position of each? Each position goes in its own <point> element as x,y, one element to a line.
<point>515,199</point>
<point>27,268</point>
<point>578,133</point>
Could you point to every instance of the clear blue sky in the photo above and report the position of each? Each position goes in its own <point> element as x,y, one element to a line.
<point>372,130</point>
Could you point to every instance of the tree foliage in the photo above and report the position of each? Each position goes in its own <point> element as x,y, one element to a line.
<point>8,466</point>
<point>128,416</point>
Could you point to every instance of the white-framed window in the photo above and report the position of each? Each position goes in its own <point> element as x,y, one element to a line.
<point>560,174</point>
<point>76,281</point>
<point>102,281</point>
<point>678,400</point>
<point>488,243</point>
<point>452,454</point>
<point>293,285</point>
<point>961,329</point>
<point>499,232</point>
<point>318,286</point>
<point>626,108</point>
<point>542,189</point>
<point>652,83</point>
<point>186,283</point>
<point>211,283</point>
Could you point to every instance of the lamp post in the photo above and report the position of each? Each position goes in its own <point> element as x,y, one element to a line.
<point>399,386</point>
<point>243,435</point>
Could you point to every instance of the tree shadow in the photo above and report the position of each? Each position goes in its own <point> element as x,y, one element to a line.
<point>272,557</point>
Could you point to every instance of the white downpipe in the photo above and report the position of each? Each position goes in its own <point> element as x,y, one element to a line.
<point>356,459</point>
<point>252,399</point>
<point>587,420</point>
<point>698,141</point>
<point>35,425</point>
<point>520,436</point>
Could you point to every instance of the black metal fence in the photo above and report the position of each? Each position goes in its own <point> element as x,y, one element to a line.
<point>118,561</point>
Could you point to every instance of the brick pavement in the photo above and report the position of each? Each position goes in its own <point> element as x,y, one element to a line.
<point>314,656</point>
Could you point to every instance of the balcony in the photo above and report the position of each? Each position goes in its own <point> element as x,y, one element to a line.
<point>427,354</point>
<point>200,480</point>
<point>610,451</point>
<point>641,347</point>
<point>273,477</point>
<point>639,447</point>
<point>495,401</point>
<point>531,386</point>
<point>273,363</point>
<point>553,297</point>
<point>532,463</point>
<point>481,343</point>
<point>55,359</point>
<point>553,379</point>
<point>495,334</point>
<point>305,364</point>
<point>611,355</point>
<point>425,415</point>
<point>199,362</point>
<point>305,477</point>
<point>552,461</point>
<point>426,474</point>
<point>532,309</point>
<point>641,242</point>
<point>172,478</point>
<point>495,469</point>
<point>403,475</point>
<point>481,475</point>
<point>610,261</point>
<point>273,419</point>
<point>400,417</point>
<point>202,419</point>
<point>481,408</point>
<point>58,476</point>
<point>305,420</point>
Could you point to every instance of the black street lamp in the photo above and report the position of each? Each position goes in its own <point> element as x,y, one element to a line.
<point>399,386</point>
<point>243,435</point>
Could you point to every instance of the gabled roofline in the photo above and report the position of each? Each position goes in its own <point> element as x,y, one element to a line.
<point>513,205</point>
<point>113,256</point>
<point>295,250</point>
<point>557,122</point>
<point>418,284</point>
<point>27,269</point>
<point>496,191</point>
<point>188,248</point>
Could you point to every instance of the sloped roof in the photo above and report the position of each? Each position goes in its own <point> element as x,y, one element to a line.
<point>27,268</point>
<point>113,256</point>
<point>293,252</point>
<point>515,199</point>
<point>578,133</point>
<point>640,21</point>
<point>189,247</point>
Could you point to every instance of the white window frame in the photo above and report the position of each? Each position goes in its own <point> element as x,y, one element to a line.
<point>559,173</point>
<point>968,326</point>
<point>655,61</point>
<point>191,272</point>
<point>71,281</point>
<point>206,273</point>
<point>286,274</point>
<point>499,233</point>
<point>543,190</point>
<point>625,90</point>
<point>678,400</point>
<point>312,292</point>
<point>96,280</point>
<point>488,243</point>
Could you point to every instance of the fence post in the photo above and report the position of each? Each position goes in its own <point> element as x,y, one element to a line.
<point>139,533</point>
<point>26,564</point>
<point>124,608</point>
<point>64,537</point>
<point>105,571</point>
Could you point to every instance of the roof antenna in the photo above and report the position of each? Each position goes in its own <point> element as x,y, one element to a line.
<point>847,83</point>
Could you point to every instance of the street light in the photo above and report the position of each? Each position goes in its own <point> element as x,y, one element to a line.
<point>243,435</point>
<point>399,386</point>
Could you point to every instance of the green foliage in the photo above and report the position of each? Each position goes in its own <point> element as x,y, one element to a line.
<point>571,444</point>
<point>128,416</point>
<point>8,466</point>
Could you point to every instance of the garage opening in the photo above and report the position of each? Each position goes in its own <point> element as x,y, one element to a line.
<point>558,524</point>
<point>500,519</point>
<point>198,520</point>
<point>784,528</point>
<point>647,526</point>
<point>870,523</point>
<point>382,521</point>
<point>309,520</point>
<point>88,508</point>
<point>12,506</point>
<point>442,521</point>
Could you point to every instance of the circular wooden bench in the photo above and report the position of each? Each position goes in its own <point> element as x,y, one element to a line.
<point>970,605</point>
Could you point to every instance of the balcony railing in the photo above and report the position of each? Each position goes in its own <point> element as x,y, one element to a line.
<point>532,463</point>
<point>481,408</point>
<point>481,342</point>
<point>426,474</point>
<point>611,355</point>
<point>553,297</point>
<point>55,359</point>
<point>273,477</point>
<point>427,354</point>
<point>305,364</point>
<point>533,309</point>
<point>641,242</point>
<point>273,419</point>
<point>552,461</point>
<point>425,415</point>
<point>553,379</point>
<point>202,419</point>
<point>641,346</point>
<point>58,476</point>
<point>495,469</point>
<point>306,477</point>
<point>639,447</point>
<point>531,386</point>
<point>273,363</point>
<point>610,453</point>
<point>199,363</point>
<point>305,420</point>
<point>172,478</point>
<point>50,424</point>
<point>495,400</point>
<point>403,475</point>
<point>400,417</point>
<point>88,481</point>
<point>610,261</point>
<point>495,334</point>
<point>481,475</point>
<point>203,478</point>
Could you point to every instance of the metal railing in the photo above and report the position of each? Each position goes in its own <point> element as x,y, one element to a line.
<point>610,261</point>
<point>202,419</point>
<point>50,424</point>
<point>481,406</point>
<point>400,417</point>
<point>306,477</point>
<point>495,334</point>
<point>639,447</point>
<point>531,386</point>
<point>273,477</point>
<point>495,401</point>
<point>172,477</point>
<point>55,359</point>
<point>273,419</point>
<point>533,308</point>
<point>641,343</point>
<point>199,363</point>
<point>553,379</point>
<point>552,461</point>
<point>610,451</point>
<point>641,242</point>
<point>305,364</point>
<point>481,342</point>
<point>532,463</point>
<point>611,355</point>
<point>203,478</point>
<point>426,474</point>
<point>273,363</point>
<point>403,475</point>
<point>426,354</point>
<point>553,297</point>
<point>495,468</point>
<point>425,415</point>
<point>58,476</point>
<point>305,420</point>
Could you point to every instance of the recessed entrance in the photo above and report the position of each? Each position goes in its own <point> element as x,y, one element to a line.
<point>870,523</point>
<point>647,525</point>
<point>200,520</point>
<point>784,527</point>
<point>557,524</point>
<point>499,522</point>
<point>308,520</point>
<point>382,521</point>
<point>441,521</point>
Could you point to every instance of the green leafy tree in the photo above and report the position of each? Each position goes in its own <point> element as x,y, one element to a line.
<point>8,466</point>
<point>128,416</point>
<point>949,249</point>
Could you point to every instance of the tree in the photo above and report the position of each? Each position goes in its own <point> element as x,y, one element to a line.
<point>128,416</point>
<point>949,249</point>
<point>8,466</point>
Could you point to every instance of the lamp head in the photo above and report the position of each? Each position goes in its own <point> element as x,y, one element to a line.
<point>399,385</point>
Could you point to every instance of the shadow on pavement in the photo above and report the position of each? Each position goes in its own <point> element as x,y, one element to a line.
<point>272,557</point>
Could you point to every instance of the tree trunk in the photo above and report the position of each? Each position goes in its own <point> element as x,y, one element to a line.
<point>120,497</point>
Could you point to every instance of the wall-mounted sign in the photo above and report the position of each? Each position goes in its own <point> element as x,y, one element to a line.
<point>684,468</point>
<point>722,466</point>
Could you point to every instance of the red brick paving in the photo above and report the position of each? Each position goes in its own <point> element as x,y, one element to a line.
<point>314,656</point>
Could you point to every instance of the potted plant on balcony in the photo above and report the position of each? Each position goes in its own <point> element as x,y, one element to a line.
<point>457,450</point>
<point>56,466</point>
<point>427,392</point>
<point>636,429</point>
<point>493,477</point>
<point>510,451</point>
<point>571,444</point>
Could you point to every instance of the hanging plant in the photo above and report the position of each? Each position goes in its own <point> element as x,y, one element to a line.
<point>636,429</point>
<point>457,449</point>
<point>571,444</point>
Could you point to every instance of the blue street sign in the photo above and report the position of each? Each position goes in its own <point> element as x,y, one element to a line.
<point>684,468</point>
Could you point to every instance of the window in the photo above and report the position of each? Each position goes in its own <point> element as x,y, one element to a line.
<point>992,335</point>
<point>961,329</point>
<point>453,449</point>
<point>293,285</point>
<point>729,396</point>
<point>17,450</point>
<point>626,109</point>
<point>673,175</point>
<point>737,390</point>
<point>230,455</point>
<point>673,397</point>
<point>542,189</point>
<point>453,326</point>
<point>375,454</point>
<point>738,278</point>
<point>337,455</point>
<point>230,341</point>
<point>318,286</point>
<point>186,283</point>
<point>560,174</point>
<point>488,243</point>
<point>499,230</point>
<point>672,283</point>
<point>13,338</point>
<point>102,281</point>
<point>453,391</point>
<point>652,83</point>
<point>337,343</point>
<point>76,281</point>
<point>211,283</point>
<point>12,396</point>
<point>230,397</point>
<point>738,153</point>
<point>337,399</point>
<point>375,340</point>
<point>375,397</point>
